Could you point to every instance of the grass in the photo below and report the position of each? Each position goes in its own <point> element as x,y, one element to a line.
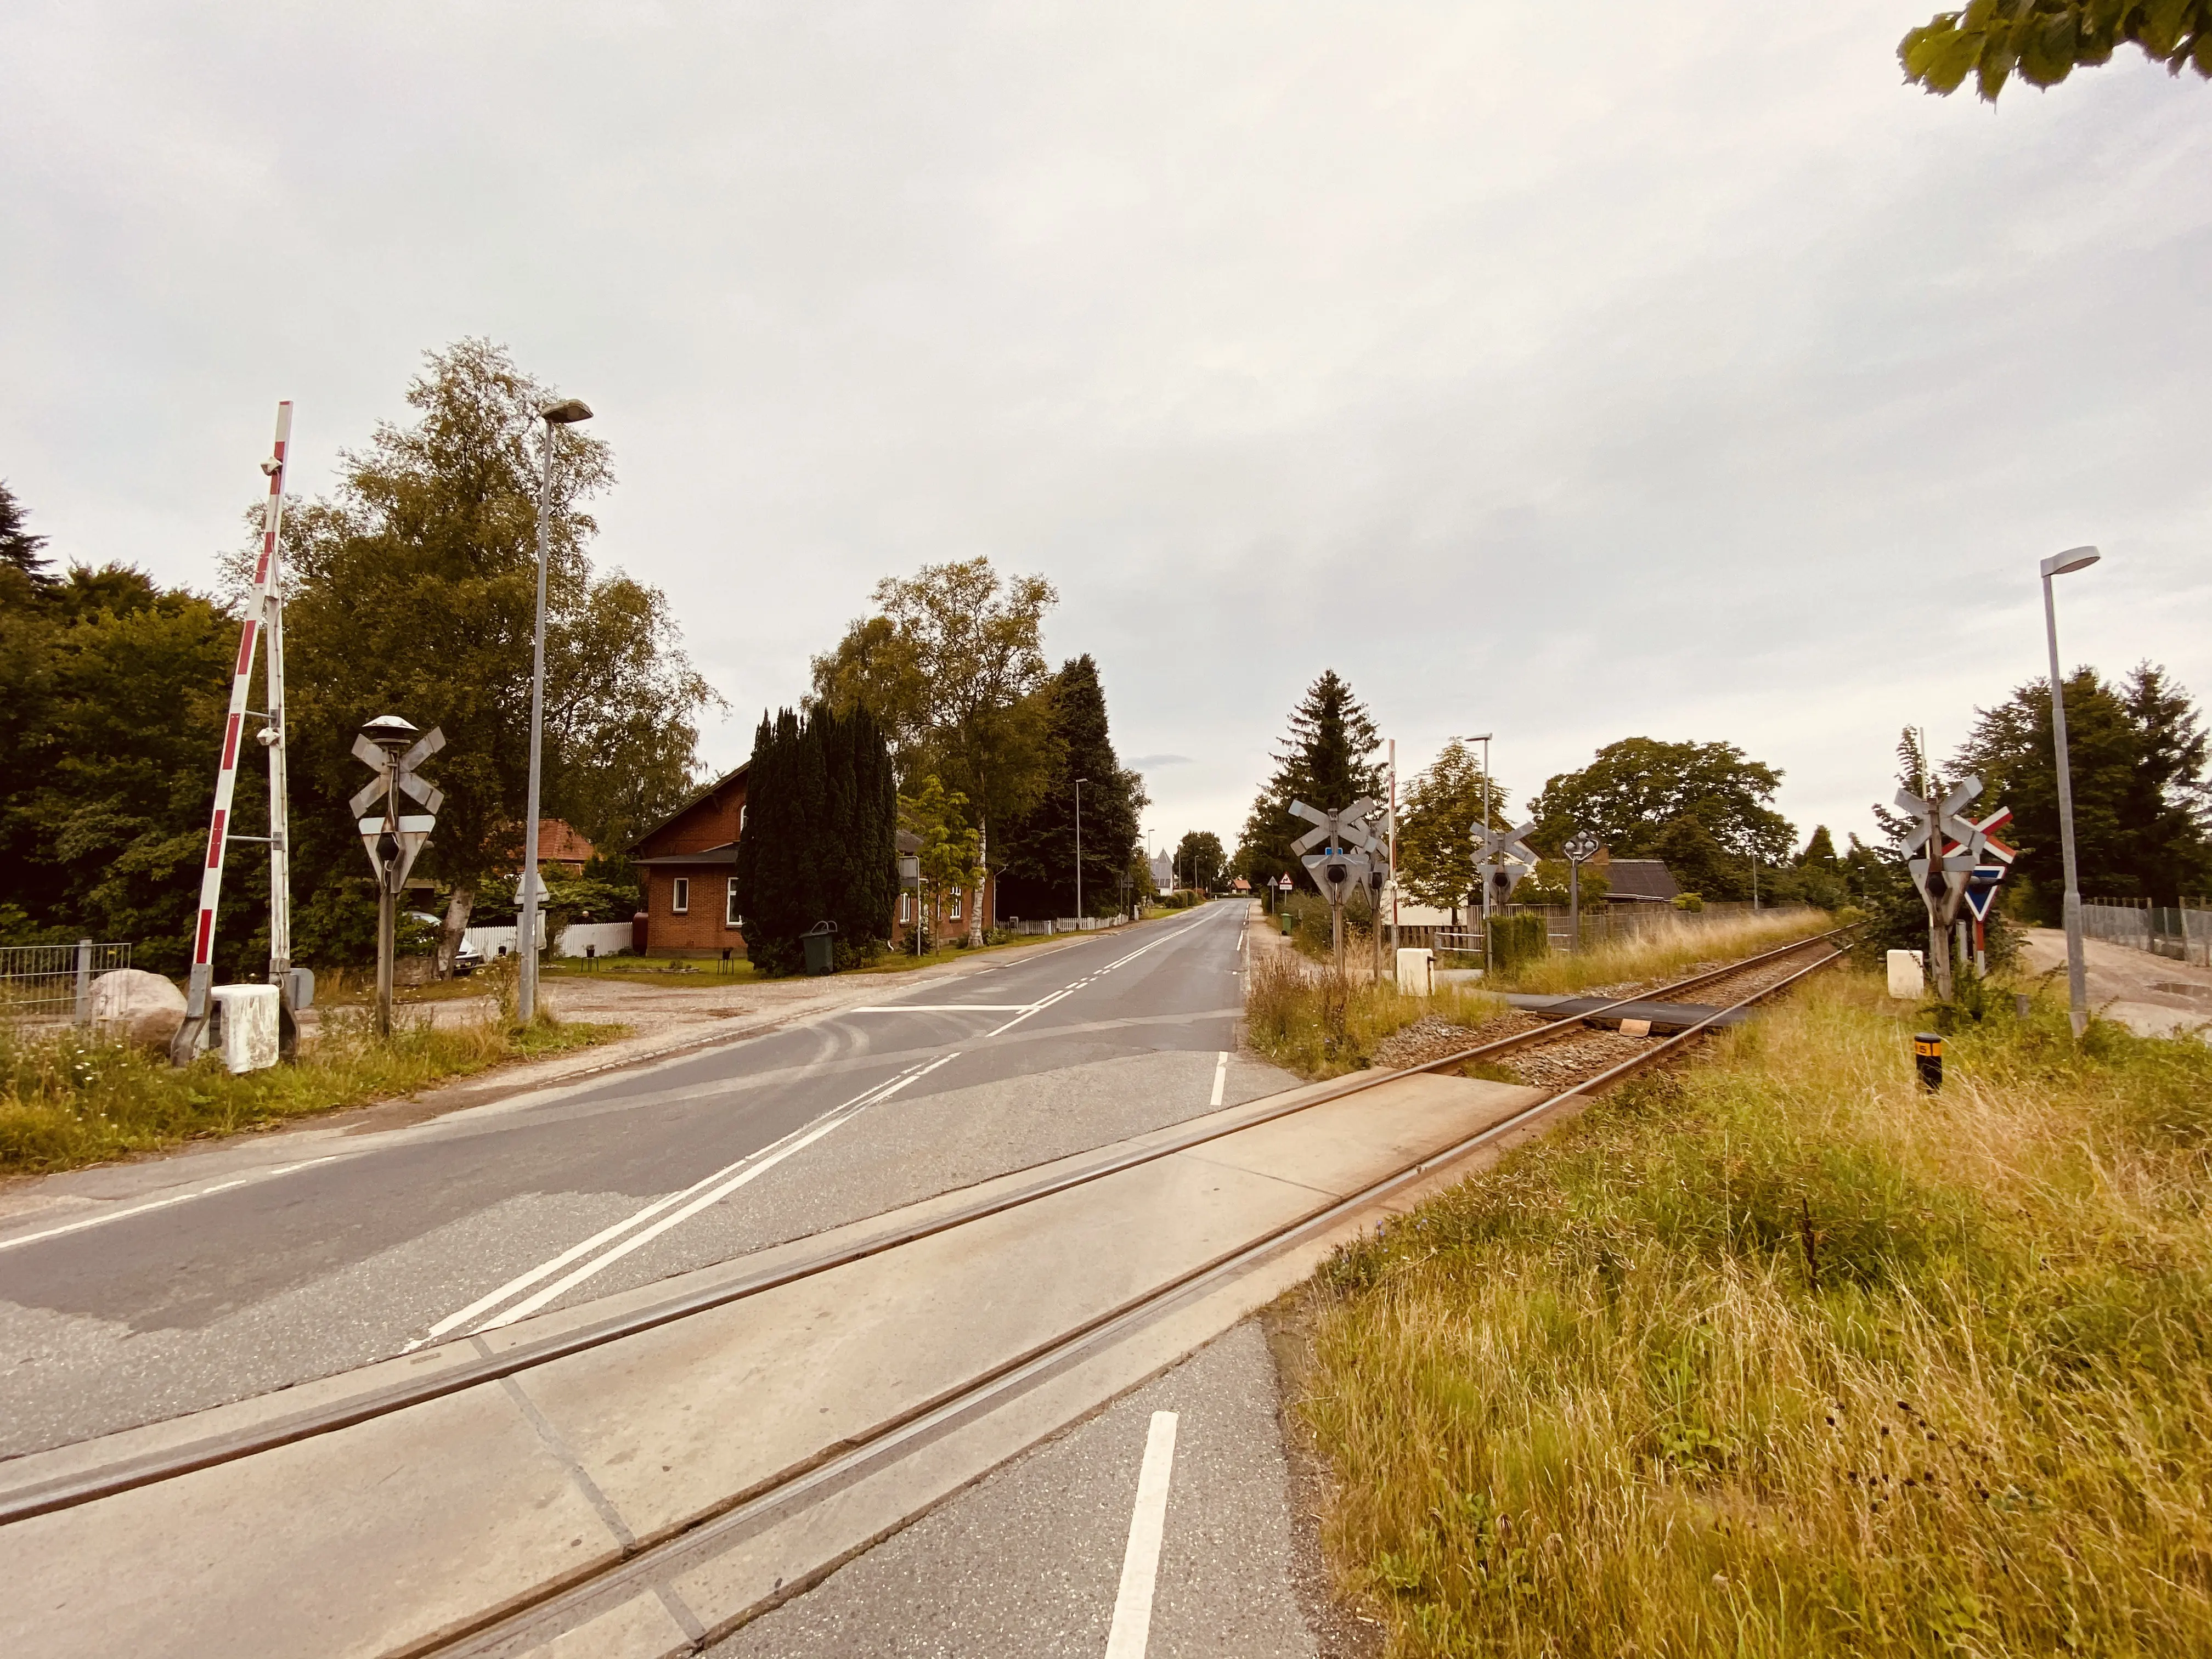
<point>66,1101</point>
<point>1319,1025</point>
<point>1665,952</point>
<point>1781,1355</point>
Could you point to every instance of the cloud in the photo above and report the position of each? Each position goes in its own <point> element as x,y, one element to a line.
<point>1690,377</point>
<point>1148,762</point>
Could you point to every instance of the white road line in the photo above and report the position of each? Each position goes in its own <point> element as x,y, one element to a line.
<point>163,1203</point>
<point>946,1008</point>
<point>545,1270</point>
<point>760,1165</point>
<point>1220,1078</point>
<point>1140,1564</point>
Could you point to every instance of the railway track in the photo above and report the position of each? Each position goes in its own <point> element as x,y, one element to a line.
<point>656,1560</point>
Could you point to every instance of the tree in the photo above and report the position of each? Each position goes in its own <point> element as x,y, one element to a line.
<point>2042,41</point>
<point>820,842</point>
<point>1436,826</point>
<point>950,857</point>
<point>19,548</point>
<point>952,667</point>
<point>1199,860</point>
<point>1636,791</point>
<point>413,592</point>
<point>1326,760</point>
<point>115,695</point>
<point>2143,818</point>
<point>1038,846</point>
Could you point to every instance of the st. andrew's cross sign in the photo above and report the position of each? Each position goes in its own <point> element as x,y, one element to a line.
<point>394,838</point>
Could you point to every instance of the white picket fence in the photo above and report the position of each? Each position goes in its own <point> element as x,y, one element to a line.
<point>609,938</point>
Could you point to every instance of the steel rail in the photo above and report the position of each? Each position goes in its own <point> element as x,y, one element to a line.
<point>858,1456</point>
<point>152,1467</point>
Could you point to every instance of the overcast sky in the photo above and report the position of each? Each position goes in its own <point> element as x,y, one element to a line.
<point>1671,371</point>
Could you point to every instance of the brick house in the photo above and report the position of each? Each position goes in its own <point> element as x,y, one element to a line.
<point>687,865</point>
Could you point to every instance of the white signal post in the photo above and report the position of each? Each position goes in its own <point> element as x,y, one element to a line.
<point>264,615</point>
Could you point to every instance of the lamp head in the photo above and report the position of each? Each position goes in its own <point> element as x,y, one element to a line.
<point>567,412</point>
<point>389,732</point>
<point>2073,559</point>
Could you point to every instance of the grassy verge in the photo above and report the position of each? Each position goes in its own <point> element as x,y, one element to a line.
<point>1666,952</point>
<point>65,1101</point>
<point>1783,1356</point>
<point>1320,1026</point>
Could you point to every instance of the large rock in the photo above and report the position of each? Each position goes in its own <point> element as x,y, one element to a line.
<point>132,1005</point>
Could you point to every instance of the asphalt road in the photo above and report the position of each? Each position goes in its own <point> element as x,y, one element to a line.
<point>1030,1559</point>
<point>489,1214</point>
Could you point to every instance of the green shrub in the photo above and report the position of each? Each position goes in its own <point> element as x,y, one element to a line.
<point>1515,940</point>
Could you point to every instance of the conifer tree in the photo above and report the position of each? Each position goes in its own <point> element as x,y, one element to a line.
<point>820,841</point>
<point>1038,874</point>
<point>1327,760</point>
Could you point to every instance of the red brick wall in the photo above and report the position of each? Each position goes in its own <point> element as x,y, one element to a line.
<point>705,929</point>
<point>714,820</point>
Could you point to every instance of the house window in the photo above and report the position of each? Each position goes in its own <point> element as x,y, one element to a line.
<point>741,820</point>
<point>906,908</point>
<point>730,916</point>
<point>679,896</point>
<point>956,904</point>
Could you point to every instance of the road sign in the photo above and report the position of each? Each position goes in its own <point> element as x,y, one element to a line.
<point>1982,888</point>
<point>393,838</point>
<point>1345,828</point>
<point>1503,860</point>
<point>1337,872</point>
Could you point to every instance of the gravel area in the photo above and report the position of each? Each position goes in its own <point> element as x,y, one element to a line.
<point>1433,1037</point>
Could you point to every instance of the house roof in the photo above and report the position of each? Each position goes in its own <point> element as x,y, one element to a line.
<point>559,843</point>
<point>1646,881</point>
<point>725,854</point>
<point>909,844</point>
<point>707,794</point>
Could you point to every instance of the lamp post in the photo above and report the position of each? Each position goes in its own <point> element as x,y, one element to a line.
<point>2077,989</point>
<point>1079,782</point>
<point>566,413</point>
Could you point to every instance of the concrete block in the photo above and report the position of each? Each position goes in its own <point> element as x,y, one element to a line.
<point>1415,965</point>
<point>1907,975</point>
<point>249,1026</point>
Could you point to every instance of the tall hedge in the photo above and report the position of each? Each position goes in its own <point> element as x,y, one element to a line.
<point>820,839</point>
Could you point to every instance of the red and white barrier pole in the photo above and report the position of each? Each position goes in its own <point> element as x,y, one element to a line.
<point>187,1040</point>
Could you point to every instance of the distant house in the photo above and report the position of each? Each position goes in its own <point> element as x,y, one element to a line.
<point>688,866</point>
<point>562,847</point>
<point>947,912</point>
<point>1163,872</point>
<point>1639,881</point>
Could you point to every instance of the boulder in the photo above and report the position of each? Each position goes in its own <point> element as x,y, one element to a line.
<point>132,1005</point>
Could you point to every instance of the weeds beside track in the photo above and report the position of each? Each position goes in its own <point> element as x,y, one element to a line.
<point>1778,1355</point>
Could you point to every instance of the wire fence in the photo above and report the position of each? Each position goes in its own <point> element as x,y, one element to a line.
<point>54,982</point>
<point>2182,933</point>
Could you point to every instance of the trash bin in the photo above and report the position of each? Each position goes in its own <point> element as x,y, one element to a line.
<point>821,944</point>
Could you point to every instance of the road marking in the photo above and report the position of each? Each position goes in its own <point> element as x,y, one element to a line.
<point>1140,1564</point>
<point>163,1203</point>
<point>758,1164</point>
<point>946,1008</point>
<point>1220,1078</point>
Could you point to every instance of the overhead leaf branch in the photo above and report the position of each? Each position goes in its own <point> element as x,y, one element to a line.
<point>2044,41</point>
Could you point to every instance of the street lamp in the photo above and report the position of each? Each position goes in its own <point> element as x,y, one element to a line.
<point>1079,782</point>
<point>2077,989</point>
<point>566,413</point>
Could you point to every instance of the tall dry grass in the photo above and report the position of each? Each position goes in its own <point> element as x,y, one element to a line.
<point>1323,1025</point>
<point>68,1099</point>
<point>1667,951</point>
<point>1786,1358</point>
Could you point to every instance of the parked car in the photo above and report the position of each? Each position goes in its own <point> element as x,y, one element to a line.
<point>467,959</point>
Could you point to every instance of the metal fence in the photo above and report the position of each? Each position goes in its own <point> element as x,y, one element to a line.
<point>54,982</point>
<point>2182,932</point>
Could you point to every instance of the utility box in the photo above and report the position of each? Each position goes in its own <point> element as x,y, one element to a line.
<point>247,1019</point>
<point>820,943</point>
<point>1417,968</point>
<point>1908,978</point>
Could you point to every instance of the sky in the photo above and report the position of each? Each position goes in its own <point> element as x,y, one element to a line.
<point>1681,372</point>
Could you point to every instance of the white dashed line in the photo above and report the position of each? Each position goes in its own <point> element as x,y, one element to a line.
<point>1140,1564</point>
